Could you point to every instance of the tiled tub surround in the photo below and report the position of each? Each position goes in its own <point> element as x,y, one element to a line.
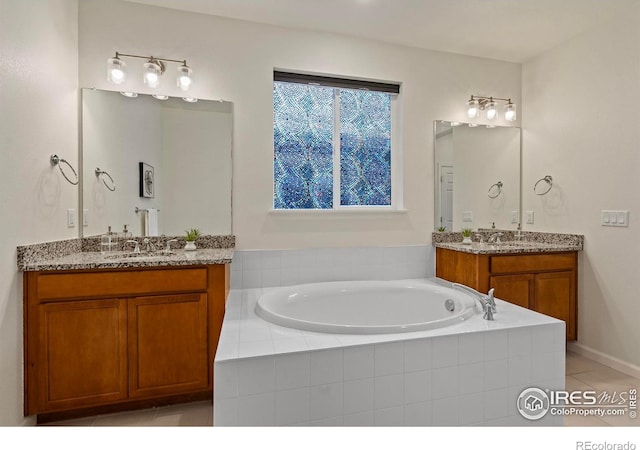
<point>467,374</point>
<point>75,254</point>
<point>269,268</point>
<point>529,242</point>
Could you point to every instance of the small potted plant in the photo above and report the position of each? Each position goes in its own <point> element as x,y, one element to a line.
<point>190,238</point>
<point>442,229</point>
<point>466,236</point>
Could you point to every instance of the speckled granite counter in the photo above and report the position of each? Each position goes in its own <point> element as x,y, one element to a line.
<point>79,254</point>
<point>529,242</point>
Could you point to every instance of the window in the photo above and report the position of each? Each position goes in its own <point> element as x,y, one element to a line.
<point>333,142</point>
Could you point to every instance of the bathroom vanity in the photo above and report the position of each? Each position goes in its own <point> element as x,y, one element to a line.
<point>105,334</point>
<point>539,274</point>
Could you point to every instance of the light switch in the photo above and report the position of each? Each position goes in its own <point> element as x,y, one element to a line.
<point>514,216</point>
<point>85,217</point>
<point>467,216</point>
<point>612,218</point>
<point>529,216</point>
<point>71,218</point>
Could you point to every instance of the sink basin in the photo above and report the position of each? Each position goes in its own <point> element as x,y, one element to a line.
<point>142,255</point>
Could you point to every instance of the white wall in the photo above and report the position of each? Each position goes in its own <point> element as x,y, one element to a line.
<point>581,126</point>
<point>234,60</point>
<point>38,106</point>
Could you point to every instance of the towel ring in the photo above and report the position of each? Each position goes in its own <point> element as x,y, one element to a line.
<point>547,179</point>
<point>56,160</point>
<point>99,174</point>
<point>498,185</point>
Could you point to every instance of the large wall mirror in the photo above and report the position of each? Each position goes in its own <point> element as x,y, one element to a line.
<point>477,179</point>
<point>170,157</point>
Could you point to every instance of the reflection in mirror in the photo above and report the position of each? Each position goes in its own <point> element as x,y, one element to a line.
<point>169,157</point>
<point>477,180</point>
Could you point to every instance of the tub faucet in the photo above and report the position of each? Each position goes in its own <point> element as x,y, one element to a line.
<point>495,237</point>
<point>487,302</point>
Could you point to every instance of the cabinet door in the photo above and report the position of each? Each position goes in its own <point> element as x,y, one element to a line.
<point>82,359</point>
<point>517,289</point>
<point>555,297</point>
<point>168,345</point>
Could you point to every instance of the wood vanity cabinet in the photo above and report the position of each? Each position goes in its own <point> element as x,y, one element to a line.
<point>543,282</point>
<point>116,339</point>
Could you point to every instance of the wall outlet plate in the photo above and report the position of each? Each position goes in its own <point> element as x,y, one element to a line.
<point>514,217</point>
<point>85,217</point>
<point>71,218</point>
<point>614,218</point>
<point>467,216</point>
<point>529,216</point>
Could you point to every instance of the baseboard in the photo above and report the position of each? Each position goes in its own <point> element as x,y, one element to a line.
<point>605,359</point>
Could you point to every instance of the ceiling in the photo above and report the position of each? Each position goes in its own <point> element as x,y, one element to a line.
<point>508,30</point>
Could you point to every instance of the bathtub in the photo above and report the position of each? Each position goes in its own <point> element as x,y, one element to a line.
<point>365,307</point>
<point>286,357</point>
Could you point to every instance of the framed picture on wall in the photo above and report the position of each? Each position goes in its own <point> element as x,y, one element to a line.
<point>147,181</point>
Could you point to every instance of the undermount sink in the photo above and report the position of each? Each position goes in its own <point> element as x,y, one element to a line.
<point>130,255</point>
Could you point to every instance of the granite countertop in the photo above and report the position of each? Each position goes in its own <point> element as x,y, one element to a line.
<point>529,242</point>
<point>84,254</point>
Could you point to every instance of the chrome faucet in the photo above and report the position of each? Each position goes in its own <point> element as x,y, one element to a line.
<point>494,238</point>
<point>487,302</point>
<point>137,248</point>
<point>479,237</point>
<point>149,245</point>
<point>168,248</point>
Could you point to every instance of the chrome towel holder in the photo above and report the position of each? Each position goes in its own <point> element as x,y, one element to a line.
<point>547,179</point>
<point>55,160</point>
<point>497,191</point>
<point>139,210</point>
<point>99,174</point>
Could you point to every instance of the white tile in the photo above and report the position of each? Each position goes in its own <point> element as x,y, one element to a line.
<point>254,331</point>
<point>496,344</point>
<point>271,277</point>
<point>471,347</point>
<point>560,364</point>
<point>496,404</point>
<point>472,378</point>
<point>271,259</point>
<point>251,279</point>
<point>417,414</point>
<point>329,422</point>
<point>445,382</point>
<point>542,339</point>
<point>362,273</point>
<point>289,259</point>
<point>417,355</point>
<point>225,412</point>
<point>344,257</point>
<point>290,345</point>
<point>417,387</point>
<point>471,409</point>
<point>445,412</point>
<point>290,276</point>
<point>389,358</point>
<point>255,348</point>
<point>496,374</point>
<point>236,263</point>
<point>325,401</point>
<point>251,260</point>
<point>307,258</point>
<point>292,406</point>
<point>444,351</point>
<point>363,419</point>
<point>236,279</point>
<point>326,366</point>
<point>358,362</point>
<point>520,371</point>
<point>358,396</point>
<point>389,391</point>
<point>319,341</point>
<point>225,380</point>
<point>376,256</point>
<point>390,417</point>
<point>292,371</point>
<point>520,342</point>
<point>256,376</point>
<point>326,257</point>
<point>257,410</point>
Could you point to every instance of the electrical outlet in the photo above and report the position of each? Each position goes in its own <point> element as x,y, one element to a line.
<point>71,218</point>
<point>85,217</point>
<point>514,217</point>
<point>529,216</point>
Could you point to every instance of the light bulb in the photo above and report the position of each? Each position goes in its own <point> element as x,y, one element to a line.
<point>116,73</point>
<point>183,81</point>
<point>455,124</point>
<point>473,125</point>
<point>492,113</point>
<point>473,108</point>
<point>510,112</point>
<point>190,99</point>
<point>160,97</point>
<point>130,94</point>
<point>151,73</point>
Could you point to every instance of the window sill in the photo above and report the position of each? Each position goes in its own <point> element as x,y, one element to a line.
<point>336,212</point>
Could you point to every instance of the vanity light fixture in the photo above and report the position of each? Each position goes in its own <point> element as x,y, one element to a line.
<point>489,105</point>
<point>152,70</point>
<point>160,97</point>
<point>130,94</point>
<point>190,99</point>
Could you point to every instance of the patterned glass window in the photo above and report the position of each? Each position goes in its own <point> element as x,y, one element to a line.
<point>316,128</point>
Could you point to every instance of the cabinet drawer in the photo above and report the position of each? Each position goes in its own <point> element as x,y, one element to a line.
<point>532,263</point>
<point>52,286</point>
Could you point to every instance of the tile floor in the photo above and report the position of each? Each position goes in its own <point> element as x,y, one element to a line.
<point>581,374</point>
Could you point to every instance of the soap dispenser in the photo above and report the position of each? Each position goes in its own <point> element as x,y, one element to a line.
<point>108,241</point>
<point>126,234</point>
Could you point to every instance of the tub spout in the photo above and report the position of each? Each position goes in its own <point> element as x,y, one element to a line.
<point>487,302</point>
